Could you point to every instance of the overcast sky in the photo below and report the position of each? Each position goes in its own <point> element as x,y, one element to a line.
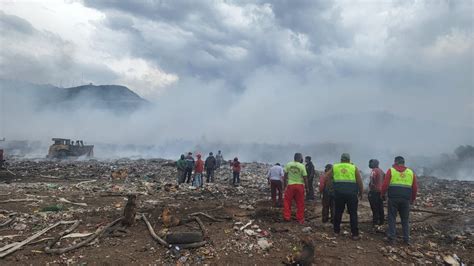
<point>254,60</point>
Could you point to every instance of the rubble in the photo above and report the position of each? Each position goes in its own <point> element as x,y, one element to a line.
<point>237,224</point>
<point>264,244</point>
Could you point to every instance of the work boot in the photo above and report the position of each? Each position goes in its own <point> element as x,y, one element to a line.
<point>389,241</point>
<point>406,243</point>
<point>356,238</point>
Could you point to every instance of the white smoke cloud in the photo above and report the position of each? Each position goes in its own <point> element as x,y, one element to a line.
<point>394,77</point>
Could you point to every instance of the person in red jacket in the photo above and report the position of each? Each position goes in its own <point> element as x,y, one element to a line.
<point>400,183</point>
<point>375,186</point>
<point>198,170</point>
<point>236,167</point>
<point>328,196</point>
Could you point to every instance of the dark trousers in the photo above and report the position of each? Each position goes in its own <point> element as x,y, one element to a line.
<point>376,204</point>
<point>310,195</point>
<point>187,174</point>
<point>402,207</point>
<point>236,178</point>
<point>341,200</point>
<point>210,175</point>
<point>181,176</point>
<point>276,187</point>
<point>328,207</point>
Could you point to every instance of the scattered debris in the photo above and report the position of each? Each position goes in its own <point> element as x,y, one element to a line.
<point>215,224</point>
<point>73,203</point>
<point>264,244</point>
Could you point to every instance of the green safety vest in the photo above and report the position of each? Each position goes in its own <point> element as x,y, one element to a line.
<point>404,179</point>
<point>344,172</point>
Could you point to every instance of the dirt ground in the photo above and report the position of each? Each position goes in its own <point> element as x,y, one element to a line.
<point>441,228</point>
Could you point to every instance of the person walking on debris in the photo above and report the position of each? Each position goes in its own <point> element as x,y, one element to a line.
<point>219,159</point>
<point>327,190</point>
<point>275,180</point>
<point>210,166</point>
<point>347,183</point>
<point>181,165</point>
<point>294,182</point>
<point>198,171</point>
<point>400,182</point>
<point>375,199</point>
<point>311,174</point>
<point>189,167</point>
<point>236,167</point>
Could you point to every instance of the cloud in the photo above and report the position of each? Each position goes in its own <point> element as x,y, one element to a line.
<point>273,71</point>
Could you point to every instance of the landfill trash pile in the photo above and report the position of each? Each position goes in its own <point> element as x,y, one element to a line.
<point>74,212</point>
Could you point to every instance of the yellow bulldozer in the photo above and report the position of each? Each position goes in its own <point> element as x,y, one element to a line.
<point>65,148</point>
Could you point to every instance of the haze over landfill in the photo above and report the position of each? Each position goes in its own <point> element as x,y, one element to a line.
<point>374,78</point>
<point>346,130</point>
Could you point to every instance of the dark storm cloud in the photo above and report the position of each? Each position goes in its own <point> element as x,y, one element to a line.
<point>306,37</point>
<point>224,40</point>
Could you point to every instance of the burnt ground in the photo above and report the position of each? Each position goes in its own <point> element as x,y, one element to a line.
<point>441,225</point>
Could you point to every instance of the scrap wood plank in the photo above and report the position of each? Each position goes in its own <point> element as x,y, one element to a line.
<point>18,245</point>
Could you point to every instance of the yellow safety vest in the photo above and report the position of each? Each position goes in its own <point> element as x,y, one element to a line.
<point>404,179</point>
<point>344,172</point>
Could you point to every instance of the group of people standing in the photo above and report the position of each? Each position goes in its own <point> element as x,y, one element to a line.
<point>341,186</point>
<point>192,171</point>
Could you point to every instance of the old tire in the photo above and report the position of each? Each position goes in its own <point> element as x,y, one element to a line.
<point>183,237</point>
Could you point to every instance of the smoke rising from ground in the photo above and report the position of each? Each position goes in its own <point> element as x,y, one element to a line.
<point>257,80</point>
<point>152,131</point>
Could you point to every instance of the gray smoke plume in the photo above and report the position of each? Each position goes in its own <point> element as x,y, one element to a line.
<point>258,80</point>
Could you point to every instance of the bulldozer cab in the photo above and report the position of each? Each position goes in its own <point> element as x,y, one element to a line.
<point>61,141</point>
<point>63,149</point>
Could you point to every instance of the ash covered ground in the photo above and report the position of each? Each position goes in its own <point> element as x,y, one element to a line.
<point>246,230</point>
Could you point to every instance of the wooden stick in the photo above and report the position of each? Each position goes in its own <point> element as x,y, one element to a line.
<point>201,225</point>
<point>49,176</point>
<point>153,234</point>
<point>73,203</point>
<point>41,240</point>
<point>97,234</point>
<point>7,222</point>
<point>65,232</point>
<point>85,182</point>
<point>205,215</point>
<point>8,246</point>
<point>11,172</point>
<point>17,200</point>
<point>216,208</point>
<point>51,238</point>
<point>7,212</point>
<point>8,236</point>
<point>33,237</point>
